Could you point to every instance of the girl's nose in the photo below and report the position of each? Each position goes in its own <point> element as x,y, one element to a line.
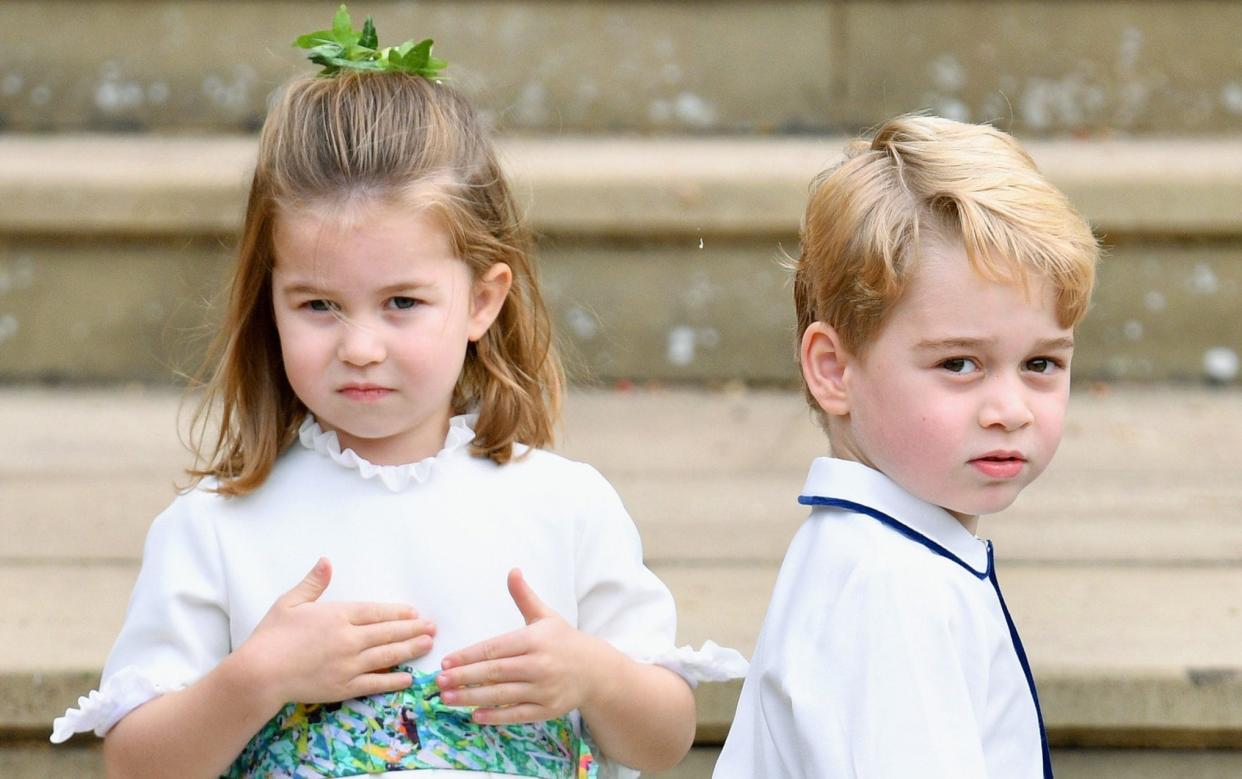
<point>1006,406</point>
<point>360,345</point>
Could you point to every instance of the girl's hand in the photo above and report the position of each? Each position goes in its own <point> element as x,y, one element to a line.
<point>312,652</point>
<point>536,673</point>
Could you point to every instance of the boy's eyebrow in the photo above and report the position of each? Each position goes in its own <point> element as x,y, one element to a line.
<point>953,343</point>
<point>1049,344</point>
<point>1053,344</point>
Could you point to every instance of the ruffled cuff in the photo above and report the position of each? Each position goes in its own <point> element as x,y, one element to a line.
<point>123,692</point>
<point>712,663</point>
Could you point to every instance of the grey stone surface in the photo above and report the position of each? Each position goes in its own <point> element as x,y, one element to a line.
<point>616,187</point>
<point>1131,459</point>
<point>25,760</point>
<point>1049,67</point>
<point>721,66</point>
<point>661,259</point>
<point>665,310</point>
<point>1131,612</point>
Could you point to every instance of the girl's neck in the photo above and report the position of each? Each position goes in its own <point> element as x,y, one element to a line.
<point>410,446</point>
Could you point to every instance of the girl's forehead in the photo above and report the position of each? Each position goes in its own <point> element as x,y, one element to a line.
<point>359,247</point>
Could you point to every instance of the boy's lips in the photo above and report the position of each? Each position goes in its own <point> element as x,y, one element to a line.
<point>1000,465</point>
<point>364,392</point>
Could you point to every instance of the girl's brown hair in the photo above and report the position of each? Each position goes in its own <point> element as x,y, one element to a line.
<point>375,135</point>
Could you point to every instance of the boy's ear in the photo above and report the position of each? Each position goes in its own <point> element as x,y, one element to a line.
<point>824,362</point>
<point>487,298</point>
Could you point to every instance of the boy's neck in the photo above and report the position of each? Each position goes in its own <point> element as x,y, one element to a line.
<point>969,521</point>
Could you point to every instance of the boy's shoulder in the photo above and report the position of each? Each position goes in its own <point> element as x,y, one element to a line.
<point>860,549</point>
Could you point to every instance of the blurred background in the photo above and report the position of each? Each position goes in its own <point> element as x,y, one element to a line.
<point>662,151</point>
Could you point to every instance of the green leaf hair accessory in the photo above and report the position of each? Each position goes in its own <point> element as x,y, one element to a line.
<point>344,48</point>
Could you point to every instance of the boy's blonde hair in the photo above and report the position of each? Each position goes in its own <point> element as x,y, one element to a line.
<point>399,138</point>
<point>923,177</point>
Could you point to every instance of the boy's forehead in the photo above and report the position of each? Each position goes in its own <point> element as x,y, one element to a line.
<point>945,294</point>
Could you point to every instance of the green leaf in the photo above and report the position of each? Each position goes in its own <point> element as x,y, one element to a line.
<point>419,55</point>
<point>313,39</point>
<point>369,37</point>
<point>326,51</point>
<point>343,28</point>
<point>344,48</point>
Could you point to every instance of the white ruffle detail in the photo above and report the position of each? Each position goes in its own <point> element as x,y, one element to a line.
<point>394,477</point>
<point>124,691</point>
<point>712,663</point>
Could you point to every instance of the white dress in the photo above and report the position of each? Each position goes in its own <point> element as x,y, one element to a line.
<point>887,650</point>
<point>440,535</point>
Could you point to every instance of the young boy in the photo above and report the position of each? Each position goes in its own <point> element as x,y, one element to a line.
<point>940,282</point>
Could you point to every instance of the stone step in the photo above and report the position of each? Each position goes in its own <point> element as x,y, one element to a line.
<point>28,760</point>
<point>1123,565</point>
<point>1091,66</point>
<point>84,471</point>
<point>660,258</point>
<point>614,187</point>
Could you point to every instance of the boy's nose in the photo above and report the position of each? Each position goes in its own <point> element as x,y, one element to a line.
<point>1006,407</point>
<point>360,345</point>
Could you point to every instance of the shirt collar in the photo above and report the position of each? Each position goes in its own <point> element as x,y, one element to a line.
<point>845,481</point>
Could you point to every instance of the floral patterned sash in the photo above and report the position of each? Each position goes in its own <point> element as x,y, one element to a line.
<point>407,730</point>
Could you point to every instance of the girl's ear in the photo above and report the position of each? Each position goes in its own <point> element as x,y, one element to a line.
<point>487,298</point>
<point>824,363</point>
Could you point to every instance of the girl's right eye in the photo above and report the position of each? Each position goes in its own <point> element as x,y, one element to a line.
<point>961,366</point>
<point>320,305</point>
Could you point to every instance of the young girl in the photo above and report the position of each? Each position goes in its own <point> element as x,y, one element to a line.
<point>385,350</point>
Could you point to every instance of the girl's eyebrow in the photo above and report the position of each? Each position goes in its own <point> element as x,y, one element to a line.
<point>303,288</point>
<point>405,286</point>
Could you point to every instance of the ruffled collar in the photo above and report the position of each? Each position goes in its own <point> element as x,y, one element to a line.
<point>395,477</point>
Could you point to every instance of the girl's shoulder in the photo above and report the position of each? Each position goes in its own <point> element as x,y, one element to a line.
<point>547,467</point>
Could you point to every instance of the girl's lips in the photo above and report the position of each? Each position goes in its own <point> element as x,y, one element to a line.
<point>999,467</point>
<point>364,393</point>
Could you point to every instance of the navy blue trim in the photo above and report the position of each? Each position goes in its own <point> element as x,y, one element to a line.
<point>989,574</point>
<point>913,535</point>
<point>1026,666</point>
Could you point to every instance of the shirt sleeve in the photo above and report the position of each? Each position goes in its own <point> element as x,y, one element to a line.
<point>888,687</point>
<point>619,598</point>
<point>176,627</point>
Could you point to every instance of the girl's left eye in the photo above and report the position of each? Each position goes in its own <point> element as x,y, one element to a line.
<point>402,303</point>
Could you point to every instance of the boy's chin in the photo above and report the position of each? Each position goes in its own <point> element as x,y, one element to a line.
<point>978,506</point>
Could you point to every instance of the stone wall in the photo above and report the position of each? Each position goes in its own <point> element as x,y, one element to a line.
<point>1038,68</point>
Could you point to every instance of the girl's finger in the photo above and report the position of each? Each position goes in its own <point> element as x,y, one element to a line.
<point>381,633</point>
<point>509,715</point>
<point>506,669</point>
<point>375,683</point>
<point>489,695</point>
<point>507,645</point>
<point>371,613</point>
<point>390,655</point>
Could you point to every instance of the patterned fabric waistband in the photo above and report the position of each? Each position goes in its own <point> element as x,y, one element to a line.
<point>407,730</point>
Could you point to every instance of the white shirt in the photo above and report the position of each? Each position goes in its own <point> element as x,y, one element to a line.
<point>887,652</point>
<point>440,535</point>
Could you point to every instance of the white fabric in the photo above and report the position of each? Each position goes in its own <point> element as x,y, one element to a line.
<point>879,657</point>
<point>441,535</point>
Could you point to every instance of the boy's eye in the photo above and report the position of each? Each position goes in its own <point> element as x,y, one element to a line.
<point>320,305</point>
<point>1043,365</point>
<point>960,365</point>
<point>402,303</point>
